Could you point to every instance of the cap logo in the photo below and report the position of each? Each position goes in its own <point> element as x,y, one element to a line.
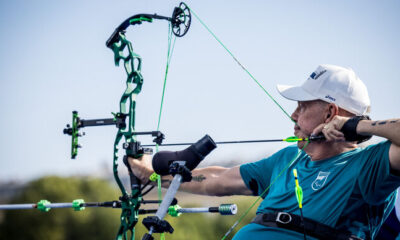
<point>315,75</point>
<point>330,98</point>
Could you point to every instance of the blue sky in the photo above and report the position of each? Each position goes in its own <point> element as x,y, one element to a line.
<point>53,60</point>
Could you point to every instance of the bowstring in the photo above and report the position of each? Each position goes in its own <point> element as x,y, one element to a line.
<point>171,46</point>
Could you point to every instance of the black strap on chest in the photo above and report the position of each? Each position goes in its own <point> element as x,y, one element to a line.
<point>293,222</point>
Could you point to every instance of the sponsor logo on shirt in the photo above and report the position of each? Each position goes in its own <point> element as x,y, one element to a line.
<point>319,182</point>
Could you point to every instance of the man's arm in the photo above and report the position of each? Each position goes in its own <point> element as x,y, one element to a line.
<point>389,129</point>
<point>216,181</point>
<point>212,181</point>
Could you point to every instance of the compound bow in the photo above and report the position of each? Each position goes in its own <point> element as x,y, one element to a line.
<point>130,202</point>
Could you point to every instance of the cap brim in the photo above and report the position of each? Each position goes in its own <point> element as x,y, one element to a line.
<point>295,93</point>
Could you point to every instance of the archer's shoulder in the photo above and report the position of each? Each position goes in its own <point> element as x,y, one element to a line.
<point>371,151</point>
<point>370,147</point>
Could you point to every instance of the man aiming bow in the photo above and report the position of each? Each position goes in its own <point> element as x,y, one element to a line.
<point>347,190</point>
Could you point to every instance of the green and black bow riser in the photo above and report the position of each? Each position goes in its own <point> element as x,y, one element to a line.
<point>125,118</point>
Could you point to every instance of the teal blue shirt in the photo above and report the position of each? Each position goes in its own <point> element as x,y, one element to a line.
<point>348,191</point>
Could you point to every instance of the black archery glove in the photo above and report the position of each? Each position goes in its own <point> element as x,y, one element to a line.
<point>349,129</point>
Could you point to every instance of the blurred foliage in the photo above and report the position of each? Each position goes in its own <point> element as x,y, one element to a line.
<point>100,223</point>
<point>200,226</point>
<point>209,225</point>
<point>62,224</point>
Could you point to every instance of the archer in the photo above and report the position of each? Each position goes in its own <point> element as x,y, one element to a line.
<point>346,188</point>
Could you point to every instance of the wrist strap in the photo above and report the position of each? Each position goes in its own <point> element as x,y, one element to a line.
<point>349,129</point>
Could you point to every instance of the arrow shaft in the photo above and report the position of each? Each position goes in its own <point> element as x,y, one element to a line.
<point>223,142</point>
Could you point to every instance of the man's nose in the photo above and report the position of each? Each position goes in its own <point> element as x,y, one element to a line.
<point>294,115</point>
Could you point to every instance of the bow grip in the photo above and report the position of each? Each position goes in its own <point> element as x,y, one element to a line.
<point>135,181</point>
<point>135,150</point>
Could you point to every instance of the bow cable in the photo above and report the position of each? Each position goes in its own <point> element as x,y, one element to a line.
<point>171,41</point>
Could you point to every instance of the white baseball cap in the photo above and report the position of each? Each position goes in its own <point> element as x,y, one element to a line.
<point>332,84</point>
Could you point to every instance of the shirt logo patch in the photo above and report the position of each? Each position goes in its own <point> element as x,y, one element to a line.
<point>319,182</point>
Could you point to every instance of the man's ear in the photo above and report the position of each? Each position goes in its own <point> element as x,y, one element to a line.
<point>331,111</point>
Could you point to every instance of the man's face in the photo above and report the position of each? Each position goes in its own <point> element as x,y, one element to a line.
<point>308,115</point>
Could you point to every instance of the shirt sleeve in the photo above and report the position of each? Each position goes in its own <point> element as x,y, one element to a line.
<point>376,181</point>
<point>257,175</point>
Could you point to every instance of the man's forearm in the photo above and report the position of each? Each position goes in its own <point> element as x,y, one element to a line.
<point>389,129</point>
<point>201,178</point>
<point>213,181</point>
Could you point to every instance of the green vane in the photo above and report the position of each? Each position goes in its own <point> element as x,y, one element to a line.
<point>299,197</point>
<point>298,190</point>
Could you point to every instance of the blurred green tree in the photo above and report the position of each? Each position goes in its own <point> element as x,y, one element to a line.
<point>62,224</point>
<point>201,226</point>
<point>100,223</point>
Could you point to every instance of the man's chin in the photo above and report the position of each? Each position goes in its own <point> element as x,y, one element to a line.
<point>299,134</point>
<point>300,144</point>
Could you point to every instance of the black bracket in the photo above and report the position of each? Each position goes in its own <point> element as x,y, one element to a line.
<point>158,225</point>
<point>135,149</point>
<point>119,121</point>
<point>178,168</point>
<point>158,136</point>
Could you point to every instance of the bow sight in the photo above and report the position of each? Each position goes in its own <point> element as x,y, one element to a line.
<point>118,121</point>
